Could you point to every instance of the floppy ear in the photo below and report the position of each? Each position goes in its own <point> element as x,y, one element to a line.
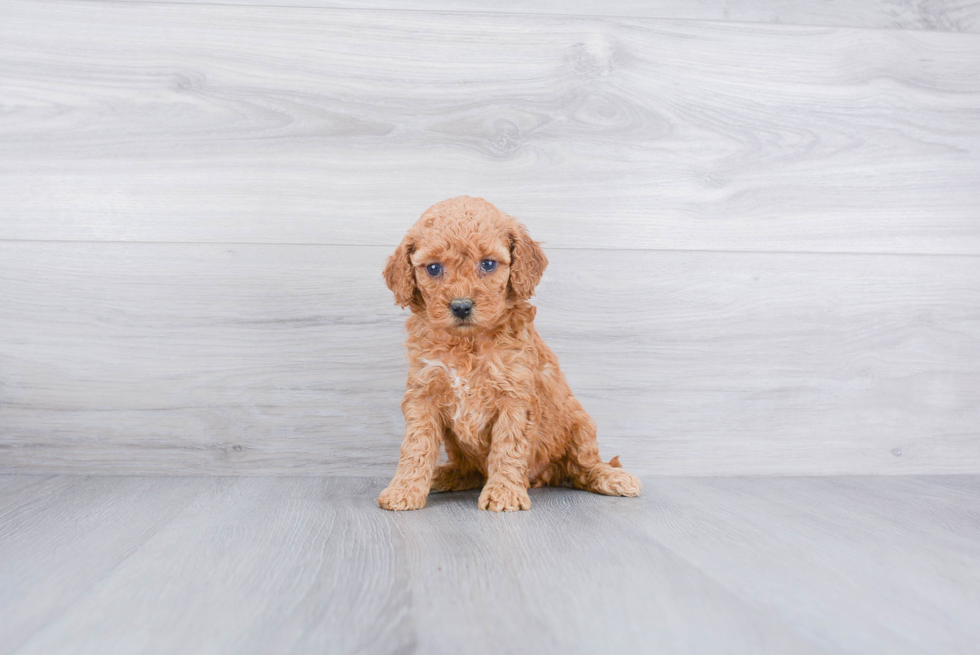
<point>400,275</point>
<point>527,263</point>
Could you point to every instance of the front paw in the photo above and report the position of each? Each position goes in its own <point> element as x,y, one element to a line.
<point>400,498</point>
<point>498,497</point>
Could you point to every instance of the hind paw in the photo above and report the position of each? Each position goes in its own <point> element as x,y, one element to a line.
<point>449,477</point>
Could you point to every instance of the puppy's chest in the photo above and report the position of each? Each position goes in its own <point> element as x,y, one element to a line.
<point>466,396</point>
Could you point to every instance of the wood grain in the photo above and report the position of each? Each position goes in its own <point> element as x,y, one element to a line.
<point>164,122</point>
<point>257,566</point>
<point>60,536</point>
<point>820,534</point>
<point>288,565</point>
<point>571,576</point>
<point>11,484</point>
<point>184,359</point>
<point>956,16</point>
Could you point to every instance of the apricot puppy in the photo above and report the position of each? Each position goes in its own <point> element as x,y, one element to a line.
<point>481,381</point>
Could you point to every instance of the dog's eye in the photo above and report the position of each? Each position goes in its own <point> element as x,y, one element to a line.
<point>435,270</point>
<point>488,266</point>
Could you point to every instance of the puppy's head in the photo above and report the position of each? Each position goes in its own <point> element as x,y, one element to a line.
<point>463,265</point>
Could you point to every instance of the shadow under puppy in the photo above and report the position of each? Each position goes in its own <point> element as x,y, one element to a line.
<point>481,380</point>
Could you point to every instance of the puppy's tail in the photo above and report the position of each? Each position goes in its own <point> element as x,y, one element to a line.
<point>614,462</point>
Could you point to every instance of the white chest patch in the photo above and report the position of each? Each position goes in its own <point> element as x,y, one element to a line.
<point>466,412</point>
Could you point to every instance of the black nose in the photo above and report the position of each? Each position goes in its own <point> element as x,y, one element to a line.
<point>461,307</point>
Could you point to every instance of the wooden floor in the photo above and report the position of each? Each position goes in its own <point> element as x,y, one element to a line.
<point>696,565</point>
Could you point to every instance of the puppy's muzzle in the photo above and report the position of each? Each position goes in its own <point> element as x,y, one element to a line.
<point>461,308</point>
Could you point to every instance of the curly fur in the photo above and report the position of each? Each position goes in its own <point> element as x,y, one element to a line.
<point>486,387</point>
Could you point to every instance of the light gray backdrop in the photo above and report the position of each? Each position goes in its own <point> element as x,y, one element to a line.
<point>763,221</point>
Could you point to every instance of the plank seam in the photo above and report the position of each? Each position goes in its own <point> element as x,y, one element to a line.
<point>713,21</point>
<point>855,253</point>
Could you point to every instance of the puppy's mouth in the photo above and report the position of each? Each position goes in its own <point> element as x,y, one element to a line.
<point>463,324</point>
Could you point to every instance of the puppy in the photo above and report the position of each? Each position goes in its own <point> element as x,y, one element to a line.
<point>481,381</point>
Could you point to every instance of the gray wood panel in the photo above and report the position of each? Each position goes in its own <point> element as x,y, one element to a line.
<point>264,565</point>
<point>61,536</point>
<point>178,358</point>
<point>955,15</point>
<point>736,565</point>
<point>819,534</point>
<point>11,484</point>
<point>169,122</point>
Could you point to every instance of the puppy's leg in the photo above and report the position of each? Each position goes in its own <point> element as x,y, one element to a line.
<point>506,487</point>
<point>419,453</point>
<point>587,471</point>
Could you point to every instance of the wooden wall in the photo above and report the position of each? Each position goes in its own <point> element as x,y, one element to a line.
<point>763,221</point>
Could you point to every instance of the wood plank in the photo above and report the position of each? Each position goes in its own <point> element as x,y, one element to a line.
<point>737,565</point>
<point>10,484</point>
<point>571,576</point>
<point>260,565</point>
<point>875,561</point>
<point>183,359</point>
<point>171,122</point>
<point>60,537</point>
<point>956,16</point>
